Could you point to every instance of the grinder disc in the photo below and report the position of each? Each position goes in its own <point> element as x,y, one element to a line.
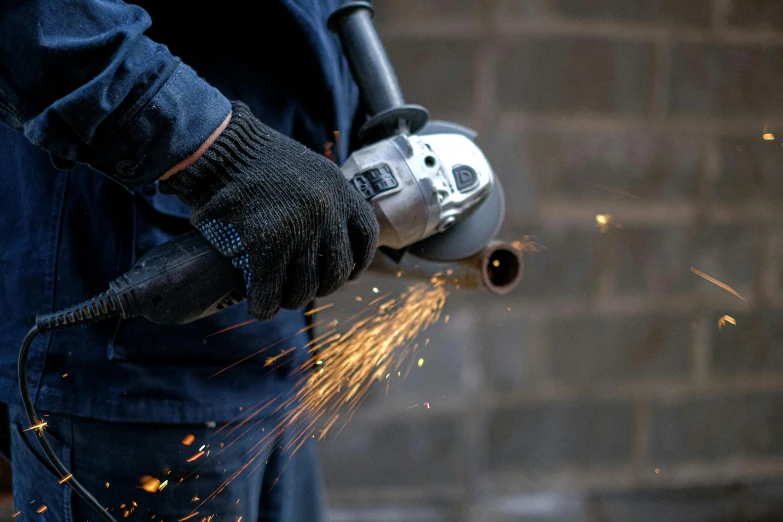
<point>468,237</point>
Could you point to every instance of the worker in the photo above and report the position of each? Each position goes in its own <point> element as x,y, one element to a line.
<point>124,126</point>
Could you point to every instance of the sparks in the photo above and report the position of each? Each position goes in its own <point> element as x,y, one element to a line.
<point>657,471</point>
<point>231,327</point>
<point>319,309</point>
<point>40,426</point>
<point>526,244</point>
<point>211,424</point>
<point>163,485</point>
<point>41,509</point>
<point>65,478</point>
<point>183,519</point>
<point>373,346</point>
<point>148,484</point>
<point>604,221</point>
<point>365,354</point>
<point>190,439</point>
<point>16,514</point>
<point>606,188</point>
<point>768,136</point>
<point>726,319</point>
<point>272,360</point>
<point>420,362</point>
<point>717,283</point>
<point>196,456</point>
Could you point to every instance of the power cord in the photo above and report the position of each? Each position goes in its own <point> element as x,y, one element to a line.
<point>102,307</point>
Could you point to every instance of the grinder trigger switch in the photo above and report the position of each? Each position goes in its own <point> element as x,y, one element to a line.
<point>374,181</point>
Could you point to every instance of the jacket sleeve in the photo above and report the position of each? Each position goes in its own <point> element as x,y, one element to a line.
<point>81,80</point>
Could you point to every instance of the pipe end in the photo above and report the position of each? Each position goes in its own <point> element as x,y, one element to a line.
<point>501,267</point>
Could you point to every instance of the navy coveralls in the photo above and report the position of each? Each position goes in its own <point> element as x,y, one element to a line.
<point>91,81</point>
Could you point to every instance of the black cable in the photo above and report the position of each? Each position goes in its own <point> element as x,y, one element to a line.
<point>101,307</point>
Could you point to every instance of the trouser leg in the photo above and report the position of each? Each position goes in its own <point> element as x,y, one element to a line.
<point>112,459</point>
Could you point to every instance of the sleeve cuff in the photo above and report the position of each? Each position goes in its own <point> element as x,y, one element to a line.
<point>168,129</point>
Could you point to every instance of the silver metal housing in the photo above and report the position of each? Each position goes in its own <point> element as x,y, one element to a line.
<point>434,185</point>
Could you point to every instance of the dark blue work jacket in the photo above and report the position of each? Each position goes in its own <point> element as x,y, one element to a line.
<point>86,81</point>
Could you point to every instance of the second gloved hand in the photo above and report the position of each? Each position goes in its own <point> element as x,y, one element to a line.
<point>284,214</point>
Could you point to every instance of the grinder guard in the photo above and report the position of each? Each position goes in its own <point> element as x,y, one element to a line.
<point>458,229</point>
<point>472,234</point>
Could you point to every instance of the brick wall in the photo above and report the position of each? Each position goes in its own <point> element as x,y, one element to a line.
<point>602,389</point>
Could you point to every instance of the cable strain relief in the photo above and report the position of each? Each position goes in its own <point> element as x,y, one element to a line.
<point>125,293</point>
<point>103,306</point>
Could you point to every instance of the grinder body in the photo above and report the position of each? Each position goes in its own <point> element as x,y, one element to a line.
<point>432,190</point>
<point>418,186</point>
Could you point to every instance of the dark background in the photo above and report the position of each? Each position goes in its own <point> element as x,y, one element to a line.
<point>610,363</point>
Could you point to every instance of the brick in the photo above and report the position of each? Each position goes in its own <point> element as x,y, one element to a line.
<point>725,252</point>
<point>750,170</point>
<point>676,12</point>
<point>669,12</point>
<point>599,166</point>
<point>653,260</point>
<point>402,13</point>
<point>409,451</point>
<point>725,80</point>
<point>755,343</point>
<point>756,14</point>
<point>566,264</point>
<point>443,349</point>
<point>436,74</point>
<point>657,260</point>
<point>546,506</point>
<point>738,501</point>
<point>717,428</point>
<point>559,74</point>
<point>505,350</point>
<point>538,438</point>
<point>392,512</point>
<point>511,159</point>
<point>772,275</point>
<point>593,349</point>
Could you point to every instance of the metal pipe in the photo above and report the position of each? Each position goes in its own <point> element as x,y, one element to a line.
<point>498,269</point>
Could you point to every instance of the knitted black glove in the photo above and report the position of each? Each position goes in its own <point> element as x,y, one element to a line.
<point>283,214</point>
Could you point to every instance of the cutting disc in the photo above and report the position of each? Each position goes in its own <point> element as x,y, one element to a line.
<point>467,237</point>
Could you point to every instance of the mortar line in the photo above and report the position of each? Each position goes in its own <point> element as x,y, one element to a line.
<point>700,349</point>
<point>642,425</point>
<point>720,14</point>
<point>516,28</point>
<point>660,90</point>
